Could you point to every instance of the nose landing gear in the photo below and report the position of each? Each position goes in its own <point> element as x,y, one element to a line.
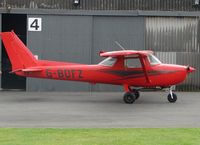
<point>172,97</point>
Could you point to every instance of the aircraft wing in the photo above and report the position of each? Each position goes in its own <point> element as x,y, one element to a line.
<point>125,53</point>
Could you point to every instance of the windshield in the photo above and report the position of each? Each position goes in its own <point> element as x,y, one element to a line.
<point>153,60</point>
<point>110,61</point>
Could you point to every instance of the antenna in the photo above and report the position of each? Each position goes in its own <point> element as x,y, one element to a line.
<point>120,45</point>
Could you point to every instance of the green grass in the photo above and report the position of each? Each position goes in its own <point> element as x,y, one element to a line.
<point>173,136</point>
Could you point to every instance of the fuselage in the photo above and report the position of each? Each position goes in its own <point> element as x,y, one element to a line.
<point>128,68</point>
<point>162,75</point>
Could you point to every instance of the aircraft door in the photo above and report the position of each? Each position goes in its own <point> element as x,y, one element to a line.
<point>132,62</point>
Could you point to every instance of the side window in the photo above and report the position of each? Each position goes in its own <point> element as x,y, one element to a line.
<point>132,63</point>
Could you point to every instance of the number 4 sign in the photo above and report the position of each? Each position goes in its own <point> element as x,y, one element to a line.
<point>34,24</point>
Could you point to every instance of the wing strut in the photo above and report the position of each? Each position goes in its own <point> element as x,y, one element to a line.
<point>144,69</point>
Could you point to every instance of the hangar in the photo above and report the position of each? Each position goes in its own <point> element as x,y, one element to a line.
<point>76,30</point>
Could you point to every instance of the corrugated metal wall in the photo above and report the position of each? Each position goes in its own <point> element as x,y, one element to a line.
<point>179,36</point>
<point>87,34</point>
<point>163,5</point>
<point>192,83</point>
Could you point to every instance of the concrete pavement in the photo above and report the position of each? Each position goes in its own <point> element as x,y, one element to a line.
<point>97,110</point>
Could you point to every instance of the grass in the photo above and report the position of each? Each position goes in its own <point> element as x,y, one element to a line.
<point>171,136</point>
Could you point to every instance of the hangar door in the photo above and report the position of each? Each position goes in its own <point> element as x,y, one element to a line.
<point>16,22</point>
<point>62,38</point>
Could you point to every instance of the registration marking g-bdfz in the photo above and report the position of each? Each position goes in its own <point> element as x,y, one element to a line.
<point>34,24</point>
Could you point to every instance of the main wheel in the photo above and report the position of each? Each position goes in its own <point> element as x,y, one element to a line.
<point>172,98</point>
<point>129,98</point>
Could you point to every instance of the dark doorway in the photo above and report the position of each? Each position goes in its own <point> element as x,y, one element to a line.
<point>16,22</point>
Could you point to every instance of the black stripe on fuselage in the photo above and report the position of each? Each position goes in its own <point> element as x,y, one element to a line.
<point>129,74</point>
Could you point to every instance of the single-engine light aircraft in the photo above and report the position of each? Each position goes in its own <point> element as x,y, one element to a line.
<point>133,70</point>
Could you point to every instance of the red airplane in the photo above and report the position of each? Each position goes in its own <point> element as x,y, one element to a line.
<point>133,70</point>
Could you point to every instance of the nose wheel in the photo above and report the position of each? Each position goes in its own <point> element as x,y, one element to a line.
<point>172,97</point>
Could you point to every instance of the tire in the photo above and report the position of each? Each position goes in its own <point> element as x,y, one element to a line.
<point>172,99</point>
<point>129,98</point>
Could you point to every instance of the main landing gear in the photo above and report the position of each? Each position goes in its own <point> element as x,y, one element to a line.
<point>131,95</point>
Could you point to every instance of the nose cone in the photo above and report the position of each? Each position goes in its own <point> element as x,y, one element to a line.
<point>190,69</point>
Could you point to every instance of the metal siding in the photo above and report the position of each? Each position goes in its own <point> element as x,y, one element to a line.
<point>166,57</point>
<point>163,5</point>
<point>128,31</point>
<point>176,37</point>
<point>180,36</point>
<point>63,38</point>
<point>172,34</point>
<point>192,83</point>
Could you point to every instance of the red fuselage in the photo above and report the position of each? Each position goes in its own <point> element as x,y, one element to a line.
<point>162,75</point>
<point>126,67</point>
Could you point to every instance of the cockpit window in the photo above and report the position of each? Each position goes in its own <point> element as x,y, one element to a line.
<point>153,60</point>
<point>110,61</point>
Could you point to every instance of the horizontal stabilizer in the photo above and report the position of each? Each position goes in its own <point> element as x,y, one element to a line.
<point>27,70</point>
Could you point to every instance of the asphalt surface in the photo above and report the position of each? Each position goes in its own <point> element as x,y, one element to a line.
<point>97,110</point>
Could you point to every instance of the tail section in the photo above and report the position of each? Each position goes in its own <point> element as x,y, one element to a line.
<point>19,55</point>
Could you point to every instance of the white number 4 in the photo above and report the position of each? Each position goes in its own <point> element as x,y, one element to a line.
<point>34,24</point>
